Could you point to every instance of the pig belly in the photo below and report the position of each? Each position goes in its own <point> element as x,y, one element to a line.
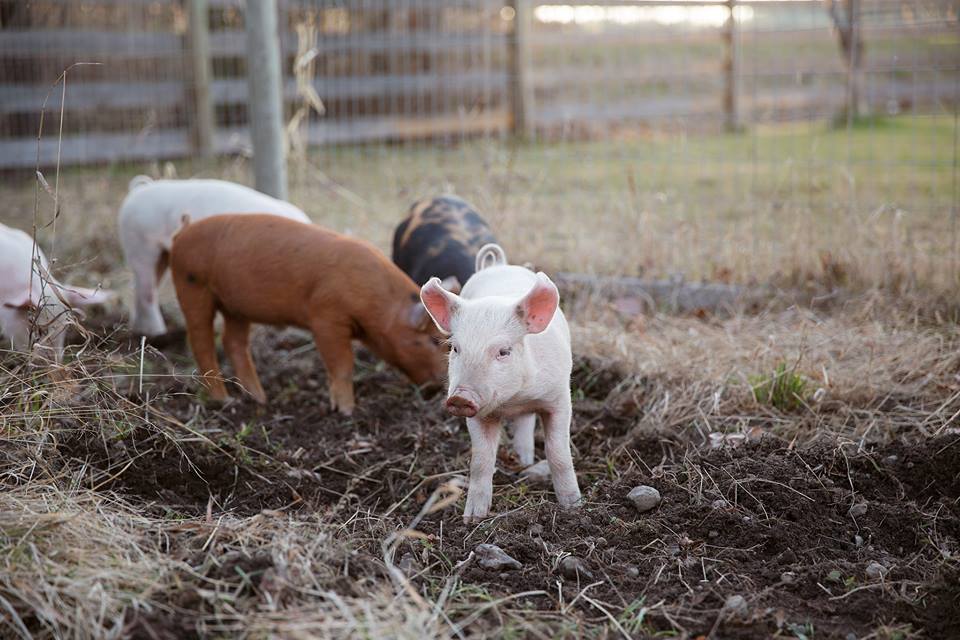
<point>261,301</point>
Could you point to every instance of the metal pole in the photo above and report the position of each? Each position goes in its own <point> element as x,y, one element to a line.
<point>521,87</point>
<point>265,110</point>
<point>204,121</point>
<point>731,71</point>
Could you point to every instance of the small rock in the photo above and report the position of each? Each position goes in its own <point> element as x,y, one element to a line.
<point>408,565</point>
<point>858,510</point>
<point>891,459</point>
<point>720,504</point>
<point>535,530</point>
<point>858,541</point>
<point>644,498</point>
<point>490,556</point>
<point>573,567</point>
<point>736,605</point>
<point>538,473</point>
<point>788,577</point>
<point>876,571</point>
<point>713,533</point>
<point>600,542</point>
<point>633,572</point>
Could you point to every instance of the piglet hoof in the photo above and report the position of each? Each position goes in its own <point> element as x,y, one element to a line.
<point>570,500</point>
<point>344,410</point>
<point>474,519</point>
<point>476,509</point>
<point>218,398</point>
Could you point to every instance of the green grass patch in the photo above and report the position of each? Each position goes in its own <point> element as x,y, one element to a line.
<point>784,389</point>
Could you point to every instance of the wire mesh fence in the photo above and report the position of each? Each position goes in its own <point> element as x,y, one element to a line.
<point>696,131</point>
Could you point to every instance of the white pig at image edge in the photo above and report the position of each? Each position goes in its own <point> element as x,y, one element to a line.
<point>27,288</point>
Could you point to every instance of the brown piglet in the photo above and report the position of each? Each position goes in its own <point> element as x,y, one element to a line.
<point>265,269</point>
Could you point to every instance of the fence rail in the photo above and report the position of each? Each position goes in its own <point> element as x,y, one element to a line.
<point>388,70</point>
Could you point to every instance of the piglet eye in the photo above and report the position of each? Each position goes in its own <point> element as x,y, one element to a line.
<point>505,352</point>
<point>455,348</point>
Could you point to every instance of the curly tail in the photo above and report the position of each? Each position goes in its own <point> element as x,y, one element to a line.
<point>139,181</point>
<point>490,255</point>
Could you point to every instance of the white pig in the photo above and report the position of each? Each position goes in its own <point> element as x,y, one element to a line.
<point>509,360</point>
<point>152,213</point>
<point>26,287</point>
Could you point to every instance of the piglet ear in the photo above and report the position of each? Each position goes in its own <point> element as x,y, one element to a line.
<point>22,303</point>
<point>440,303</point>
<point>538,307</point>
<point>451,284</point>
<point>82,297</point>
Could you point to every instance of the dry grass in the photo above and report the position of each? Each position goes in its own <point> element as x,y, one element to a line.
<point>799,205</point>
<point>81,557</point>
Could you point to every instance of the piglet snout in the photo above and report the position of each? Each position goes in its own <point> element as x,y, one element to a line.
<point>462,403</point>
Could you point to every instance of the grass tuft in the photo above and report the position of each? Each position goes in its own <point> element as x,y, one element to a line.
<point>784,389</point>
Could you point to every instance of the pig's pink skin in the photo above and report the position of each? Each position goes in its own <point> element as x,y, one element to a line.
<point>152,213</point>
<point>510,351</point>
<point>26,283</point>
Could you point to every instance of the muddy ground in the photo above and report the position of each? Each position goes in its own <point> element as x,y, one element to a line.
<point>789,527</point>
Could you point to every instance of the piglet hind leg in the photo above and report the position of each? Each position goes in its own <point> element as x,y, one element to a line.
<point>147,271</point>
<point>236,342</point>
<point>335,349</point>
<point>556,424</point>
<point>484,440</point>
<point>198,311</point>
<point>523,427</point>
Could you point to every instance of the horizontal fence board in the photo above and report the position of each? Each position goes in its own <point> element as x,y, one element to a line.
<point>407,128</point>
<point>379,128</point>
<point>233,43</point>
<point>371,5</point>
<point>235,90</point>
<point>21,98</point>
<point>38,42</point>
<point>21,153</point>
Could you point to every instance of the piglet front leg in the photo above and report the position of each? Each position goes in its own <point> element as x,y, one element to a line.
<point>484,440</point>
<point>556,423</point>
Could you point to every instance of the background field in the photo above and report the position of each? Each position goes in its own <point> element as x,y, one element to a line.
<point>132,509</point>
<point>805,440</point>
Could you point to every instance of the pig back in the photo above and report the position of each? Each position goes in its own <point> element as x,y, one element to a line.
<point>277,271</point>
<point>440,237</point>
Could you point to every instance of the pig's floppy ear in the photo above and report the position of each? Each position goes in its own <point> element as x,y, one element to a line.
<point>451,284</point>
<point>81,296</point>
<point>440,303</point>
<point>538,307</point>
<point>24,303</point>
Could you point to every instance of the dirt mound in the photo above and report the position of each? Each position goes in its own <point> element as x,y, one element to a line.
<point>749,541</point>
<point>763,521</point>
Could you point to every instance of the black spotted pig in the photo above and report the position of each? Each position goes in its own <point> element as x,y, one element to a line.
<point>440,237</point>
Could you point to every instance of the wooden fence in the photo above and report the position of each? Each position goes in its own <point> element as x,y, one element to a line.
<point>388,70</point>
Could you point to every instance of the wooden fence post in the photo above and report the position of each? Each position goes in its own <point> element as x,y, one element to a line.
<point>731,70</point>
<point>521,94</point>
<point>265,109</point>
<point>854,77</point>
<point>204,119</point>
